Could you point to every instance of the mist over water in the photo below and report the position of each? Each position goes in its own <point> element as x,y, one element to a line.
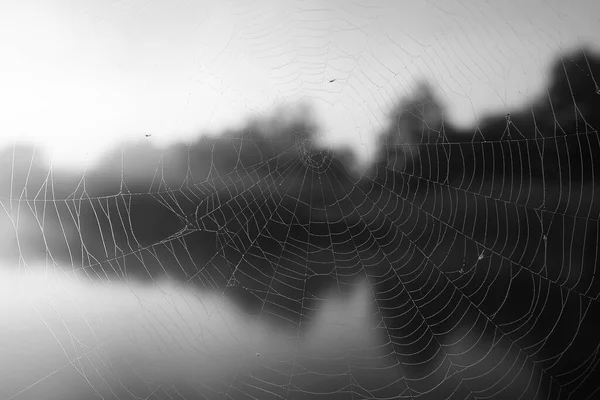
<point>155,338</point>
<point>71,340</point>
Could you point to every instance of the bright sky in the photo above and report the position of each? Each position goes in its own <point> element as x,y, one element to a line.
<point>77,77</point>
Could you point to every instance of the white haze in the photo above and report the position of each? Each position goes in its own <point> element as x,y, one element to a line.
<point>78,78</point>
<point>63,339</point>
<point>61,336</point>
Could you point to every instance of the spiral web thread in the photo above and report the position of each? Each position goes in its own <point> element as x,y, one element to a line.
<point>480,263</point>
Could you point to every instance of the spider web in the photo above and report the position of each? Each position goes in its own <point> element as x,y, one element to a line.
<point>470,252</point>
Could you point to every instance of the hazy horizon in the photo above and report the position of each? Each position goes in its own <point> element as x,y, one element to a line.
<point>80,77</point>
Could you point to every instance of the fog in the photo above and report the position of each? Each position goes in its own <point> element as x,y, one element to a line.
<point>80,77</point>
<point>186,213</point>
<point>137,338</point>
<point>70,340</point>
